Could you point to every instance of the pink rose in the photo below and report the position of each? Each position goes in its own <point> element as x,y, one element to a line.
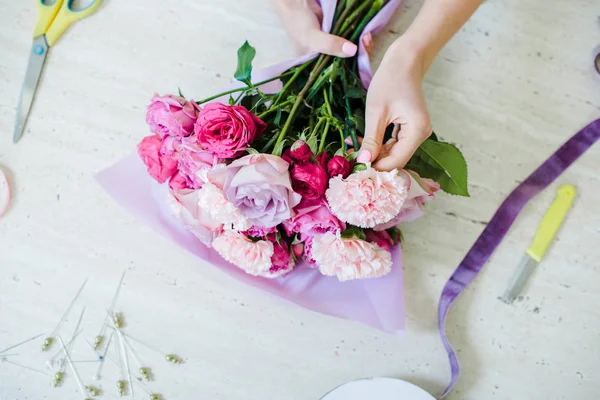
<point>259,185</point>
<point>178,182</point>
<point>420,191</point>
<point>308,252</point>
<point>350,258</point>
<point>312,217</point>
<point>282,261</point>
<point>380,238</point>
<point>300,152</point>
<point>171,146</point>
<point>194,159</point>
<point>287,156</point>
<point>309,180</point>
<point>322,160</point>
<point>225,130</point>
<point>171,116</point>
<point>185,208</point>
<point>159,166</point>
<point>338,165</point>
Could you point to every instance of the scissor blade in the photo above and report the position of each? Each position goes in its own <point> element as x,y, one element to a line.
<point>32,77</point>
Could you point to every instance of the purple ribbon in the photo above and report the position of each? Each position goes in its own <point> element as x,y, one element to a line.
<point>499,225</point>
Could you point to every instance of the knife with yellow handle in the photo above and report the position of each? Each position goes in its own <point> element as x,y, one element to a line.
<point>545,233</point>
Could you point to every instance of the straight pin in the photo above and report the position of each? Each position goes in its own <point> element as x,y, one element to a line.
<point>20,343</point>
<point>99,339</point>
<point>74,370</point>
<point>97,376</point>
<point>4,360</point>
<point>50,339</point>
<point>124,351</point>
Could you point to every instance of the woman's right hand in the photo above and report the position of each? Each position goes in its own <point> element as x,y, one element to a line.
<point>302,22</point>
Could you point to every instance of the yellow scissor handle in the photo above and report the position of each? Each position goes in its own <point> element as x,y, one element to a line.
<point>46,14</point>
<point>55,17</point>
<point>552,220</point>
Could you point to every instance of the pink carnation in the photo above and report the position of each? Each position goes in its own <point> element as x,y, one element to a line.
<point>171,116</point>
<point>259,231</point>
<point>420,191</point>
<point>350,258</point>
<point>308,253</point>
<point>282,261</point>
<point>367,198</point>
<point>252,257</point>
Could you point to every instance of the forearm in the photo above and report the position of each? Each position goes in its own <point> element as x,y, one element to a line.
<point>434,26</point>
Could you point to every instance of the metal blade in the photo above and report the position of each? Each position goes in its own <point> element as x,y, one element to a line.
<point>519,279</point>
<point>39,49</point>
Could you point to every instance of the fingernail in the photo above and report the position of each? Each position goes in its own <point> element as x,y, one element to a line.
<point>348,141</point>
<point>364,156</point>
<point>349,49</point>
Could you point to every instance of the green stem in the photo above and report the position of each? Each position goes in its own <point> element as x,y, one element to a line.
<point>323,137</point>
<point>340,21</point>
<point>300,99</point>
<point>375,8</point>
<point>355,15</point>
<point>216,96</point>
<point>291,80</point>
<point>273,108</point>
<point>314,131</point>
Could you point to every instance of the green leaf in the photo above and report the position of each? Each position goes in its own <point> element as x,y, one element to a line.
<point>312,143</point>
<point>250,150</point>
<point>434,137</point>
<point>231,100</point>
<point>359,118</point>
<point>277,120</point>
<point>179,91</point>
<point>358,167</point>
<point>353,231</point>
<point>278,151</point>
<point>356,92</point>
<point>444,163</point>
<point>245,54</point>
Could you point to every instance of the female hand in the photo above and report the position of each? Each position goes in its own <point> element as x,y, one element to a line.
<point>395,96</point>
<point>302,22</point>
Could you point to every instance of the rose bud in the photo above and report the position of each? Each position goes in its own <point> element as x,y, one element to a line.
<point>309,180</point>
<point>338,165</point>
<point>300,151</point>
<point>287,156</point>
<point>298,250</point>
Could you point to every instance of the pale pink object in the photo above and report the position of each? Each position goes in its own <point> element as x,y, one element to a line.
<point>252,257</point>
<point>375,302</point>
<point>4,193</point>
<point>367,198</point>
<point>259,185</point>
<point>420,191</point>
<point>184,207</point>
<point>171,116</point>
<point>350,258</point>
<point>313,217</point>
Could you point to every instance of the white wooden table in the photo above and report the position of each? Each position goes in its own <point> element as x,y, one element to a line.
<point>510,88</point>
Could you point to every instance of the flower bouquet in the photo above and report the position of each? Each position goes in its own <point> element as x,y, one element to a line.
<point>265,176</point>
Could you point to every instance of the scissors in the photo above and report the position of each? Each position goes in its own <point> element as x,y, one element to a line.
<point>54,17</point>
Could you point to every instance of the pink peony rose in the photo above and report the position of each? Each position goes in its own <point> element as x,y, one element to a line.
<point>225,130</point>
<point>367,198</point>
<point>312,217</point>
<point>171,116</point>
<point>300,152</point>
<point>178,182</point>
<point>252,257</point>
<point>184,207</point>
<point>350,258</point>
<point>171,146</point>
<point>420,191</point>
<point>213,202</point>
<point>380,238</point>
<point>322,160</point>
<point>282,261</point>
<point>287,156</point>
<point>309,180</point>
<point>259,185</point>
<point>159,166</point>
<point>259,232</point>
<point>338,165</point>
<point>193,159</point>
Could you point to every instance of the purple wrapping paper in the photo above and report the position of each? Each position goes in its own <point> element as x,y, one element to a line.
<point>375,302</point>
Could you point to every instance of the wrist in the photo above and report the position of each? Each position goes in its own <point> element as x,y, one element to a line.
<point>409,54</point>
